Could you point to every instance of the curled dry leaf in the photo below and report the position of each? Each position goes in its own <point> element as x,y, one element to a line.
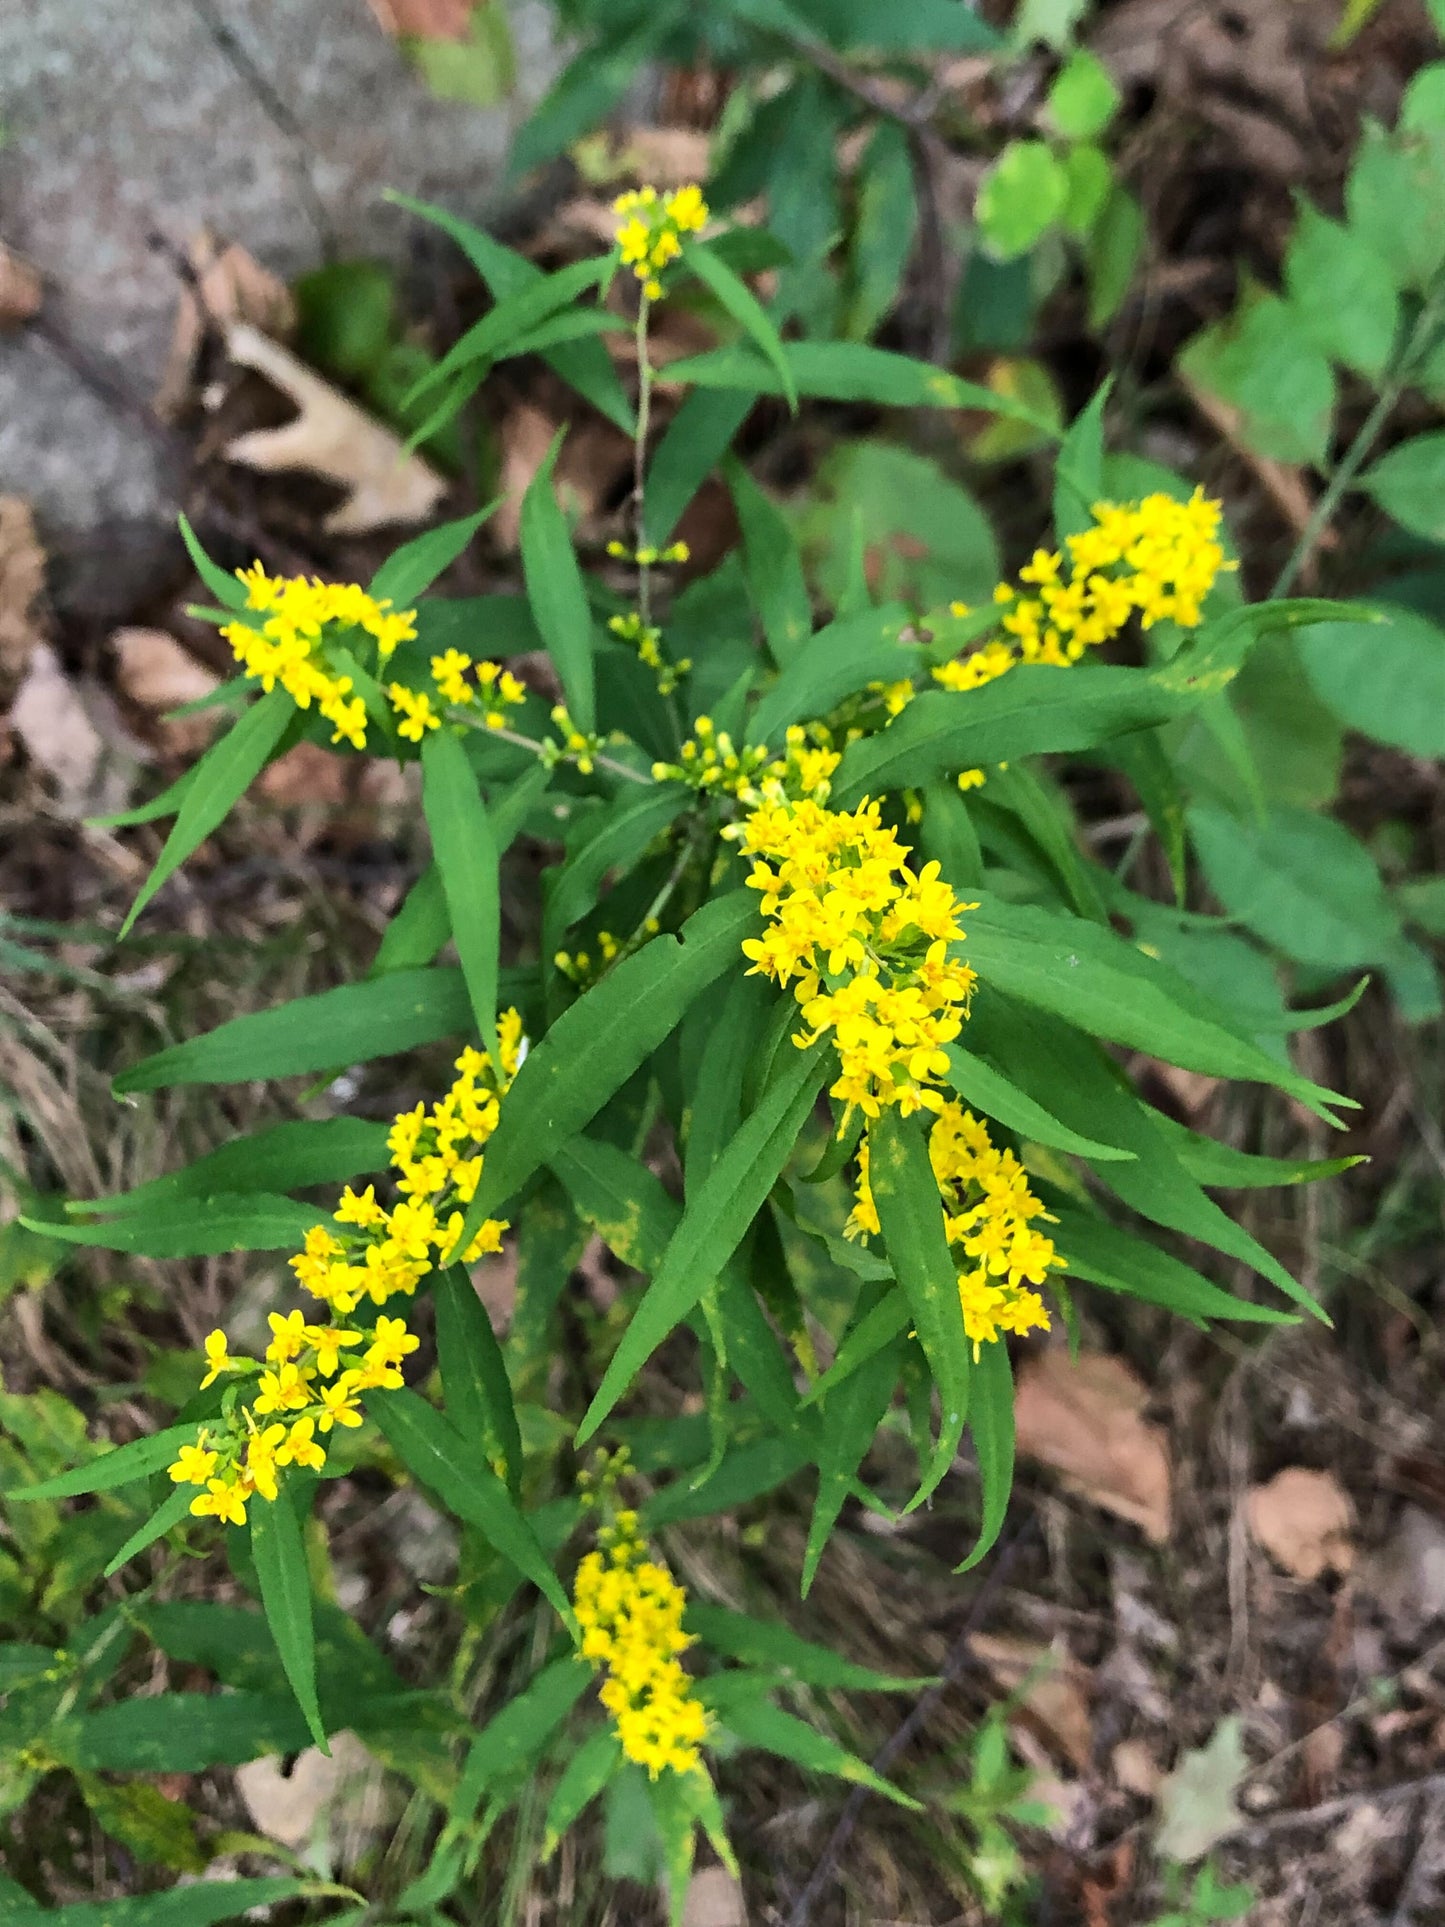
<point>1085,1421</point>
<point>1197,1801</point>
<point>332,437</point>
<point>1055,1698</point>
<point>229,285</point>
<point>20,289</point>
<point>1304,1521</point>
<point>317,1797</point>
<point>22,576</point>
<point>157,674</point>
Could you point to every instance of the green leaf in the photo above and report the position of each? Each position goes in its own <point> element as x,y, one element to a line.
<point>597,1044</point>
<point>713,1224</point>
<point>841,658</point>
<point>172,1512</point>
<point>847,371</point>
<point>1261,363</point>
<point>613,839</point>
<point>1211,1163</point>
<point>766,1727</point>
<point>584,365</point>
<point>349,1025</point>
<point>513,316</point>
<point>201,1227</point>
<point>1144,760</point>
<point>1083,99</point>
<point>157,1831</point>
<point>184,1733</point>
<point>224,586</point>
<point>223,774</point>
<point>697,438</point>
<point>346,317</point>
<point>1089,184</point>
<point>1409,484</point>
<point>991,1421</point>
<point>1079,468</point>
<point>451,1466</point>
<point>1301,882</point>
<point>774,566</point>
<point>744,307</point>
<point>418,930</point>
<point>557,593</point>
<point>118,1465</point>
<point>1341,293</point>
<point>468,858</point>
<point>475,1385</point>
<point>771,1645</point>
<point>888,1317</point>
<point>1098,1251</point>
<point>1388,681</point>
<point>414,567</point>
<point>201,1905</point>
<point>515,1737</point>
<point>1393,179</point>
<point>166,803</point>
<point>587,1771</point>
<point>1021,197</point>
<point>1032,710</point>
<point>884,227</point>
<point>987,1090</point>
<point>850,1416</point>
<point>584,95</point>
<point>910,1216</point>
<point>1116,241</point>
<point>280,1555</point>
<point>288,1156</point>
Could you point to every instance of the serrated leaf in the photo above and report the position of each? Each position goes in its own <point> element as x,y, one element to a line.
<point>556,592</point>
<point>713,1224</point>
<point>452,1467</point>
<point>223,774</point>
<point>597,1044</point>
<point>468,858</point>
<point>475,1386</point>
<point>279,1552</point>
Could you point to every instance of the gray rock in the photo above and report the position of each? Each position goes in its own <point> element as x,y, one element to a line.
<point>277,123</point>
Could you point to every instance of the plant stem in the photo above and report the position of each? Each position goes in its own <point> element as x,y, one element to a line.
<point>639,456</point>
<point>597,756</point>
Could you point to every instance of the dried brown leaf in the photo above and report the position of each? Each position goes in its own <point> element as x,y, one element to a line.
<point>423,19</point>
<point>333,438</point>
<point>230,285</point>
<point>20,289</point>
<point>714,1899</point>
<point>1304,1521</point>
<point>22,577</point>
<point>1085,1421</point>
<point>59,737</point>
<point>157,674</point>
<point>1055,1699</point>
<point>319,1795</point>
<point>1407,1575</point>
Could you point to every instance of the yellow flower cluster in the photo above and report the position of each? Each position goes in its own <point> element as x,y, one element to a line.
<point>289,645</point>
<point>498,688</point>
<point>650,227</point>
<point>630,1609</point>
<point>416,710</point>
<point>988,1211</point>
<point>576,744</point>
<point>867,939</point>
<point>646,639</point>
<point>576,965</point>
<point>710,761</point>
<point>312,1375</point>
<point>1157,559</point>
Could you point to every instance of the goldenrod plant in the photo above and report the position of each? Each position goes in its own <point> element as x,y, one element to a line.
<point>815,1026</point>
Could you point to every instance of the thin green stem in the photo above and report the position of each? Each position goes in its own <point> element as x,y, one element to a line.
<point>1353,459</point>
<point>639,457</point>
<point>597,756</point>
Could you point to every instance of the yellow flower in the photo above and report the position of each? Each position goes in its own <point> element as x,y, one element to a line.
<point>261,1459</point>
<point>194,1463</point>
<point>288,1336</point>
<point>328,1342</point>
<point>415,709</point>
<point>650,227</point>
<point>301,1446</point>
<point>391,1342</point>
<point>449,672</point>
<point>223,1499</point>
<point>285,1390</point>
<point>218,1359</point>
<point>338,1407</point>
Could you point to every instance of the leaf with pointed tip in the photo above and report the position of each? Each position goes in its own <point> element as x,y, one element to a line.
<point>280,1555</point>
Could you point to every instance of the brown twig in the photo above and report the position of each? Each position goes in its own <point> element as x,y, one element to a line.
<point>957,1662</point>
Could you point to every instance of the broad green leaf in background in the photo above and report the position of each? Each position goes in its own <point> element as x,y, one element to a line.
<point>1083,99</point>
<point>1409,484</point>
<point>838,659</point>
<point>475,1386</point>
<point>696,439</point>
<point>557,593</point>
<point>743,305</point>
<point>1393,179</point>
<point>1341,293</point>
<point>223,774</point>
<point>516,1735</point>
<point>280,1555</point>
<point>184,1732</point>
<point>1116,241</point>
<point>774,567</point>
<point>454,1468</point>
<point>196,1227</point>
<point>1020,198</point>
<point>1386,681</point>
<point>883,229</point>
<point>596,1045</point>
<point>1260,361</point>
<point>288,1156</point>
<point>584,94</point>
<point>991,1423</point>
<point>910,1216</point>
<point>465,847</point>
<point>925,539</point>
<point>713,1224</point>
<point>1089,182</point>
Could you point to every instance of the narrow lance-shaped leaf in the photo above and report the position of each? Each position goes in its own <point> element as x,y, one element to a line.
<point>991,1421</point>
<point>413,568</point>
<point>224,586</point>
<point>713,1224</point>
<point>1117,1260</point>
<point>172,1511</point>
<point>475,1385</point>
<point>697,438</point>
<point>517,1734</point>
<point>467,856</point>
<point>122,1465</point>
<point>224,773</point>
<point>204,1904</point>
<point>280,1555</point>
<point>286,1157</point>
<point>989,1091</point>
<point>768,1728</point>
<point>589,1768</point>
<point>850,1415</point>
<point>910,1215</point>
<point>743,305</point>
<point>514,315</point>
<point>194,1227</point>
<point>556,592</point>
<point>770,1644</point>
<point>773,564</point>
